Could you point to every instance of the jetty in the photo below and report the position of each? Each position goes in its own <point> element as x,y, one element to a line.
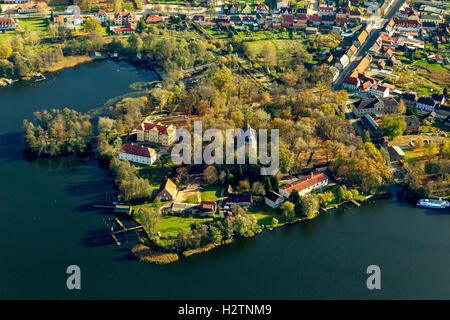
<point>122,229</point>
<point>356,203</point>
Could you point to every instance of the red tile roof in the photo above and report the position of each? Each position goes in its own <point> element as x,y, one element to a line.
<point>154,19</point>
<point>351,80</point>
<point>138,150</point>
<point>162,130</point>
<point>305,182</point>
<point>208,206</point>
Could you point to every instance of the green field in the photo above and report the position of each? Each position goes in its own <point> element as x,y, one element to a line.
<point>265,214</point>
<point>211,193</point>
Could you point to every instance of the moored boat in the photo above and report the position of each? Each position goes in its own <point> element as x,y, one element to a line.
<point>433,203</point>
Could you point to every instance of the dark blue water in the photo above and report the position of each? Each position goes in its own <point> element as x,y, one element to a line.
<point>47,223</point>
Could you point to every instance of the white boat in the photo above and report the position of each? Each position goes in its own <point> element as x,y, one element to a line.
<point>433,203</point>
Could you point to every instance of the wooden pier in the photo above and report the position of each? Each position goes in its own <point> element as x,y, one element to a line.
<point>355,202</point>
<point>102,206</point>
<point>123,230</point>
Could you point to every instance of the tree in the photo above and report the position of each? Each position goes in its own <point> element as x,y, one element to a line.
<point>5,49</point>
<point>91,25</point>
<point>269,55</point>
<point>393,125</point>
<point>274,221</point>
<point>258,189</point>
<point>287,210</point>
<point>325,198</point>
<point>401,109</point>
<point>310,205</point>
<point>215,236</point>
<point>210,175</point>
<point>149,218</point>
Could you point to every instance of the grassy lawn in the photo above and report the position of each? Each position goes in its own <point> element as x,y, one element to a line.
<point>265,214</point>
<point>211,193</point>
<point>174,224</point>
<point>37,25</point>
<point>155,174</point>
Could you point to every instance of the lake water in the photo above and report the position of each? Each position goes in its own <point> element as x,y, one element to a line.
<point>47,223</point>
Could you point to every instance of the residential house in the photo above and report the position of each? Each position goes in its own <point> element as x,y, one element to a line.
<point>342,21</point>
<point>154,20</point>
<point>328,20</point>
<point>381,64</point>
<point>287,21</point>
<point>439,98</point>
<point>7,24</point>
<point>25,8</point>
<point>342,12</point>
<point>124,18</point>
<point>232,8</point>
<point>101,16</point>
<point>286,10</point>
<point>326,11</point>
<point>442,112</point>
<point>375,106</point>
<point>343,62</point>
<point>412,124</point>
<point>246,9</point>
<point>208,208</point>
<point>302,19</point>
<point>183,208</point>
<point>396,153</point>
<point>425,104</point>
<point>169,192</point>
<point>282,4</point>
<point>406,25</point>
<point>273,199</point>
<point>355,14</point>
<point>351,83</point>
<point>315,20</point>
<point>137,154</point>
<point>305,185</point>
<point>379,91</point>
<point>262,8</point>
<point>156,133</point>
<point>361,38</point>
<point>59,20</point>
<point>409,98</point>
<point>430,18</point>
<point>243,200</point>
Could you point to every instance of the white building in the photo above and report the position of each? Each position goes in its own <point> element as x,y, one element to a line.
<point>137,154</point>
<point>305,185</point>
<point>273,199</point>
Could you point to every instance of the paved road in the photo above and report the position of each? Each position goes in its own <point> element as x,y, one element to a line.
<point>367,45</point>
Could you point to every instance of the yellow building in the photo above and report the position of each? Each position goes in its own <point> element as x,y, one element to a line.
<point>156,133</point>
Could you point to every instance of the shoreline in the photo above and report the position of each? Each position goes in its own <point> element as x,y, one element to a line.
<point>155,258</point>
<point>68,62</point>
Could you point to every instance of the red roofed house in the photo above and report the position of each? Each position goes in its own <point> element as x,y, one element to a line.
<point>287,21</point>
<point>7,24</point>
<point>124,17</point>
<point>379,91</point>
<point>315,20</point>
<point>156,133</point>
<point>208,208</point>
<point>58,20</point>
<point>326,11</point>
<point>305,185</point>
<point>154,19</point>
<point>351,83</point>
<point>138,154</point>
<point>262,8</point>
<point>101,16</point>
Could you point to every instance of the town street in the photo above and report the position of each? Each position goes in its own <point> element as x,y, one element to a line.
<point>366,45</point>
